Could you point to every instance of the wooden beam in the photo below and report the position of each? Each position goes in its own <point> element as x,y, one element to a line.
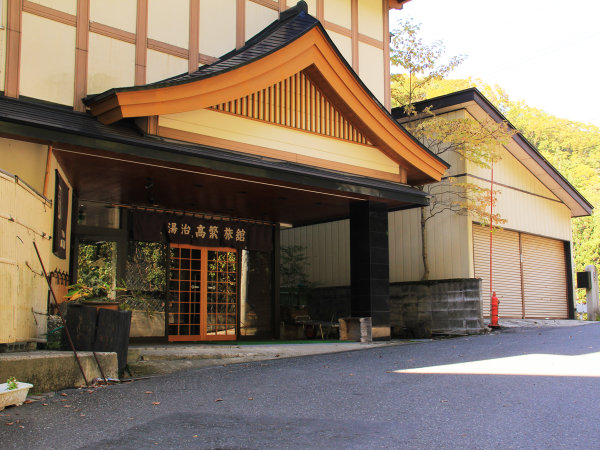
<point>13,48</point>
<point>141,42</point>
<point>194,40</point>
<point>81,53</point>
<point>240,24</point>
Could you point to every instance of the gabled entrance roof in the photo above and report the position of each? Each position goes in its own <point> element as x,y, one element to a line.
<point>296,43</point>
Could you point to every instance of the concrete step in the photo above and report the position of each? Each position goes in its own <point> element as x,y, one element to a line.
<point>55,370</point>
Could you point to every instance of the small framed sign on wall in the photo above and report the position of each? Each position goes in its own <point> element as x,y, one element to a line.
<point>61,212</point>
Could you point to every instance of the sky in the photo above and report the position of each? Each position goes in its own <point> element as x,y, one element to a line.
<point>545,52</point>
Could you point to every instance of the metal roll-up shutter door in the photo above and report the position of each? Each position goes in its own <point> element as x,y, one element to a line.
<point>506,270</point>
<point>544,277</point>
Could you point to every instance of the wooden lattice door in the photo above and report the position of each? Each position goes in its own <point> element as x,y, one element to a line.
<point>202,293</point>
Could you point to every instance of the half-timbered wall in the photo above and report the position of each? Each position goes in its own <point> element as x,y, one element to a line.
<point>96,45</point>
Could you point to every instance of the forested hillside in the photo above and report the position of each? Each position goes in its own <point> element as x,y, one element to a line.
<point>572,147</point>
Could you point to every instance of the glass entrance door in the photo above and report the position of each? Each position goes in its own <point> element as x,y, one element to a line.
<point>202,293</point>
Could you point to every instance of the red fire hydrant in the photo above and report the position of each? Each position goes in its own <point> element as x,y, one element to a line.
<point>494,315</point>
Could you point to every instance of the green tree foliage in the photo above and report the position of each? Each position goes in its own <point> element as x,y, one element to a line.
<point>420,63</point>
<point>293,274</point>
<point>95,271</point>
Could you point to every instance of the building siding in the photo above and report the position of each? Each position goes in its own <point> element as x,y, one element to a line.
<point>162,37</point>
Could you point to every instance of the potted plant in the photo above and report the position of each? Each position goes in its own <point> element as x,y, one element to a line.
<point>92,294</point>
<point>13,392</point>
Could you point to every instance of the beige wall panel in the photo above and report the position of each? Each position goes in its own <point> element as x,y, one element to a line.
<point>448,248</point>
<point>327,247</point>
<point>47,65</point>
<point>258,17</point>
<point>344,45</point>
<point>111,64</point>
<point>25,160</point>
<point>338,12</point>
<point>370,69</point>
<point>404,233</point>
<point>8,259</point>
<point>511,172</point>
<point>370,18</point>
<point>169,21</point>
<point>217,27</point>
<point>31,284</point>
<point>120,14</point>
<point>23,289</point>
<point>239,129</point>
<point>161,66</point>
<point>68,6</point>
<point>312,6</point>
<point>532,214</point>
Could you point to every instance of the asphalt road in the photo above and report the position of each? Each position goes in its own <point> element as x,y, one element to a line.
<point>346,400</point>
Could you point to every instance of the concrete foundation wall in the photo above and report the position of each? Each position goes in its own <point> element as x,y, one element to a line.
<point>422,308</point>
<point>417,308</point>
<point>53,371</point>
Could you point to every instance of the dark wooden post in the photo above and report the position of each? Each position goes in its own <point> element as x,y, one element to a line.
<point>369,265</point>
<point>275,281</point>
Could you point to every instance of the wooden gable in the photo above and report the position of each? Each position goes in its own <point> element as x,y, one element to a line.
<point>289,76</point>
<point>296,102</point>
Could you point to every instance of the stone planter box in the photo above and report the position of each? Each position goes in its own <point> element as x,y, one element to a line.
<point>13,396</point>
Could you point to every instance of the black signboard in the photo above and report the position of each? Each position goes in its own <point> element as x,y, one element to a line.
<point>584,280</point>
<point>183,229</point>
<point>61,211</point>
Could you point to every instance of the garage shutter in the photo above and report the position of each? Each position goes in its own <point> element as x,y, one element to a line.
<point>506,269</point>
<point>544,275</point>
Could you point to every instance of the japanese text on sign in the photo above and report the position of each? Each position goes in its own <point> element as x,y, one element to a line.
<point>229,234</point>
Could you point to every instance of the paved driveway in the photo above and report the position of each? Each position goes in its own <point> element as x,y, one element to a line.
<point>440,394</point>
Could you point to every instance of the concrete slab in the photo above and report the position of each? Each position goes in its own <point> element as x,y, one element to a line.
<point>148,360</point>
<point>538,323</point>
<point>53,370</point>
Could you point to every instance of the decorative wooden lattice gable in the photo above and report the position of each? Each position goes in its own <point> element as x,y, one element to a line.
<point>295,102</point>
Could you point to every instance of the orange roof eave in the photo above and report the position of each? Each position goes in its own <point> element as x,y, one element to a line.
<point>311,51</point>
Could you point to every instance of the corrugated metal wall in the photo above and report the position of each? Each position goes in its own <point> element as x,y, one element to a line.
<point>24,217</point>
<point>529,273</point>
<point>327,249</point>
<point>506,269</point>
<point>544,277</point>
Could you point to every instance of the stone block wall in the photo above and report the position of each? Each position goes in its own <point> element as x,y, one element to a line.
<point>422,308</point>
<point>417,309</point>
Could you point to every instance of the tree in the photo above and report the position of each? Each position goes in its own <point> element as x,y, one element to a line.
<point>466,138</point>
<point>420,61</point>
